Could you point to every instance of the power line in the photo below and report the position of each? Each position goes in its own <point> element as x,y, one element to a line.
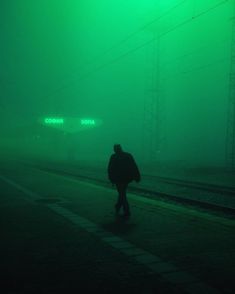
<point>191,53</point>
<point>104,65</point>
<point>150,41</point>
<point>117,45</point>
<point>130,36</point>
<point>198,68</point>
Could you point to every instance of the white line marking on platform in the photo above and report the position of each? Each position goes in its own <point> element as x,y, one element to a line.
<point>168,271</point>
<point>20,188</point>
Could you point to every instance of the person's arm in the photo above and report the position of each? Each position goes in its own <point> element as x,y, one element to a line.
<point>136,172</point>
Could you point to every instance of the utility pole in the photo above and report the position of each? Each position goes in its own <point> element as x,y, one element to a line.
<point>230,140</point>
<point>152,135</point>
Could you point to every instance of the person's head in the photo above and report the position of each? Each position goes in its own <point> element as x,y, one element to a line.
<point>117,148</point>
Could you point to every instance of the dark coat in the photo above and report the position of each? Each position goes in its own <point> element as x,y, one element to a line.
<point>122,168</point>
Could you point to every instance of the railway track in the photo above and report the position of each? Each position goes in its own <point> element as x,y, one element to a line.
<point>153,192</point>
<point>197,185</point>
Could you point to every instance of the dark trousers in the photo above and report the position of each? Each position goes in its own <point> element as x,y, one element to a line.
<point>122,199</point>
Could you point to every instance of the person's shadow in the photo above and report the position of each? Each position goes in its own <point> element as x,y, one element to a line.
<point>120,225</point>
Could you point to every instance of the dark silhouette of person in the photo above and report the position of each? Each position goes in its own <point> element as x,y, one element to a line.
<point>122,169</point>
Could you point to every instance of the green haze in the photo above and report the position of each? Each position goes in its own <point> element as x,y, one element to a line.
<point>155,72</point>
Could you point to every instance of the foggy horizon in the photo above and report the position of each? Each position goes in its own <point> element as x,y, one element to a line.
<point>154,74</point>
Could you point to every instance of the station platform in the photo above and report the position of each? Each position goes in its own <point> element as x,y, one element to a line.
<point>208,187</point>
<point>60,234</point>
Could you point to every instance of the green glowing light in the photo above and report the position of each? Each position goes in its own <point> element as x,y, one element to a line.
<point>54,120</point>
<point>88,122</point>
<point>70,124</point>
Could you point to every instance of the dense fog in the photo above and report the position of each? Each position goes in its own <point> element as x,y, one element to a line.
<point>152,75</point>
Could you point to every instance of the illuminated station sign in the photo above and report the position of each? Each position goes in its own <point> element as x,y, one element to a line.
<point>70,124</point>
<point>88,122</point>
<point>60,121</point>
<point>54,121</point>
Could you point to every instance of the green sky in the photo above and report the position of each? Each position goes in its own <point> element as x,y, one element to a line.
<point>98,58</point>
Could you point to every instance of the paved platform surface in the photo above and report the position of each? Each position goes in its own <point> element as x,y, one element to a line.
<point>209,186</point>
<point>59,234</point>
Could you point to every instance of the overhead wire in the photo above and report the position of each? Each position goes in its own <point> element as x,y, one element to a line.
<point>195,69</point>
<point>130,36</point>
<point>193,52</point>
<point>142,28</point>
<point>120,57</point>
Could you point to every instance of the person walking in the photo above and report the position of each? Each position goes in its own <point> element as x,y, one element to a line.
<point>122,169</point>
